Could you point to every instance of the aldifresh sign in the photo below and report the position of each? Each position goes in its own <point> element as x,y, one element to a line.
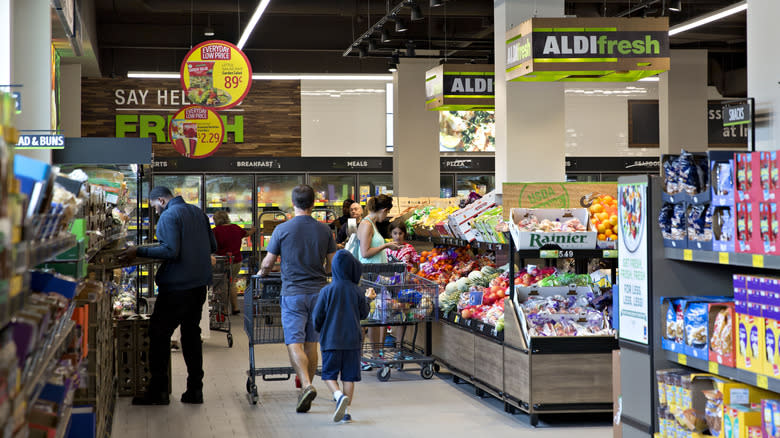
<point>587,49</point>
<point>460,87</point>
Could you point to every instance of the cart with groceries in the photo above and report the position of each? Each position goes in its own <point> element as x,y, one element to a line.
<point>219,297</point>
<point>401,300</point>
<point>263,325</point>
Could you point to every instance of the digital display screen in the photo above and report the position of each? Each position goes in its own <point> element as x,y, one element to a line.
<point>467,131</point>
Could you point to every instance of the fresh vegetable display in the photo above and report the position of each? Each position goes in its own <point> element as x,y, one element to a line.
<point>531,275</point>
<point>572,315</point>
<point>565,279</point>
<point>532,223</point>
<point>444,265</point>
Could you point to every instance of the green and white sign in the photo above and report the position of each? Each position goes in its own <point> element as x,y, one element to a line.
<point>587,49</point>
<point>460,87</point>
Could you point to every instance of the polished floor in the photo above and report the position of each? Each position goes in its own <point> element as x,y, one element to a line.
<point>406,406</point>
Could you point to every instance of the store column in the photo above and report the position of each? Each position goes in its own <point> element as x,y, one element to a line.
<point>682,98</point>
<point>763,69</point>
<point>31,67</point>
<point>415,133</point>
<point>530,117</point>
<point>6,51</point>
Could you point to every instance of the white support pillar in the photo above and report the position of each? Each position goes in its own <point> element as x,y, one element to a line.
<point>682,98</point>
<point>70,99</point>
<point>530,117</point>
<point>6,48</point>
<point>415,133</point>
<point>31,67</point>
<point>763,67</point>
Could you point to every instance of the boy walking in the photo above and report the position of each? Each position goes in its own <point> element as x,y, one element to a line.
<point>337,314</point>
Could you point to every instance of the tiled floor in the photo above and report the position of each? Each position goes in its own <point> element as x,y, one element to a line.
<point>406,406</point>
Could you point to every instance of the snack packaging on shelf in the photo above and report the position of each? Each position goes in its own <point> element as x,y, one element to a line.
<point>723,229</point>
<point>699,225</point>
<point>686,178</point>
<point>722,178</point>
<point>768,227</point>
<point>770,418</point>
<point>722,333</point>
<point>751,344</point>
<point>772,356</point>
<point>737,418</point>
<point>769,175</point>
<point>747,222</point>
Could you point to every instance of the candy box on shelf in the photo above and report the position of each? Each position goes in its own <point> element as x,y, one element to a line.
<point>772,356</point>
<point>723,228</point>
<point>722,329</point>
<point>747,228</point>
<point>770,418</point>
<point>769,176</point>
<point>529,228</point>
<point>745,168</point>
<point>751,345</point>
<point>737,419</point>
<point>768,227</point>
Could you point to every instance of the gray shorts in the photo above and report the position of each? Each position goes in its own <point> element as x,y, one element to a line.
<point>298,318</point>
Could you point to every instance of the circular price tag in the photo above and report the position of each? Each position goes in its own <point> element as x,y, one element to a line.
<point>196,132</point>
<point>216,74</point>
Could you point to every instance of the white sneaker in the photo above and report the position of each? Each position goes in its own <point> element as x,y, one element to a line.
<point>341,408</point>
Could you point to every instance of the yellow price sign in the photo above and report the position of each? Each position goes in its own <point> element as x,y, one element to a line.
<point>762,382</point>
<point>687,255</point>
<point>216,74</point>
<point>714,367</point>
<point>196,132</point>
<point>758,260</point>
<point>723,258</point>
<point>682,359</point>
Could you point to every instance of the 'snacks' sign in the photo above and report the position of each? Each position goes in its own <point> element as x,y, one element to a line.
<point>587,49</point>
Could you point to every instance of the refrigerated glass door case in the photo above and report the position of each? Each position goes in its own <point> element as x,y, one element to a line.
<point>188,187</point>
<point>481,184</point>
<point>374,184</point>
<point>447,186</point>
<point>233,193</point>
<point>330,191</point>
<point>274,202</point>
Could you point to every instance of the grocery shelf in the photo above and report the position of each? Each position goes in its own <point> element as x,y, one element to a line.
<point>723,258</point>
<point>52,346</point>
<point>31,254</point>
<point>736,374</point>
<point>64,421</point>
<point>568,253</point>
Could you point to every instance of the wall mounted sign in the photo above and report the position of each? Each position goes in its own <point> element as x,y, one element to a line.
<point>587,49</point>
<point>273,164</point>
<point>467,164</point>
<point>460,87</point>
<point>737,113</point>
<point>216,74</point>
<point>196,132</point>
<point>40,141</point>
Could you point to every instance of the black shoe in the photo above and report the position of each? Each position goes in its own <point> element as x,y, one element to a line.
<point>192,397</point>
<point>152,399</point>
<point>304,401</point>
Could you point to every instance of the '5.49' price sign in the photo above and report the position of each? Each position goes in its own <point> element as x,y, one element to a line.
<point>196,132</point>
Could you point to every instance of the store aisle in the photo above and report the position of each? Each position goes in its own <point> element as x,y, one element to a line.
<point>407,406</point>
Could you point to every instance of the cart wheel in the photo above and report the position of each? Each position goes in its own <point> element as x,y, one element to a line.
<point>436,367</point>
<point>249,385</point>
<point>534,420</point>
<point>427,371</point>
<point>254,394</point>
<point>383,374</point>
<point>230,340</point>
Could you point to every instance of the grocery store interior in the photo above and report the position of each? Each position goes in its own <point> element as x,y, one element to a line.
<point>583,236</point>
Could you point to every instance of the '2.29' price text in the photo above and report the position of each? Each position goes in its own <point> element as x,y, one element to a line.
<point>208,137</point>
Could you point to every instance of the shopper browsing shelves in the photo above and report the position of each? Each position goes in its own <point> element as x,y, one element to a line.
<point>229,237</point>
<point>186,244</point>
<point>340,308</point>
<point>306,248</point>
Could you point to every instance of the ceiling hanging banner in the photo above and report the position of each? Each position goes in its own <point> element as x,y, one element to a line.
<point>216,74</point>
<point>460,87</point>
<point>587,49</point>
<point>196,132</point>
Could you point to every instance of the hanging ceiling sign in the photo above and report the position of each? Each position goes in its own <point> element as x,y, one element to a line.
<point>196,132</point>
<point>460,87</point>
<point>216,74</point>
<point>736,113</point>
<point>587,49</point>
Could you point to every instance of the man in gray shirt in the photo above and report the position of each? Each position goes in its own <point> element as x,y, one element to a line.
<point>306,247</point>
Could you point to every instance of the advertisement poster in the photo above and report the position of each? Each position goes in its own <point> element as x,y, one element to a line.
<point>633,261</point>
<point>467,131</point>
<point>216,74</point>
<point>196,132</point>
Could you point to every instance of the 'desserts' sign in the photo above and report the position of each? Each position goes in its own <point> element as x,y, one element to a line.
<point>587,49</point>
<point>460,87</point>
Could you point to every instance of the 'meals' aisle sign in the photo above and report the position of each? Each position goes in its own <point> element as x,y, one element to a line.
<point>587,49</point>
<point>460,87</point>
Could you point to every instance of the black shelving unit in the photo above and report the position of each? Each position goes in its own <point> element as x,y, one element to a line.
<point>761,261</point>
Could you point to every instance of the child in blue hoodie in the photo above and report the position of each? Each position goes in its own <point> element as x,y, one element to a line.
<point>337,315</point>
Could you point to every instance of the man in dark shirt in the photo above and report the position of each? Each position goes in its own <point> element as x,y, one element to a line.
<point>306,247</point>
<point>186,244</point>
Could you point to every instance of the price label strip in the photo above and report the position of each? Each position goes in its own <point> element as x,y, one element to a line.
<point>216,74</point>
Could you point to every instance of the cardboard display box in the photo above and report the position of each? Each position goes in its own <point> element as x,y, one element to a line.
<point>565,240</point>
<point>751,343</point>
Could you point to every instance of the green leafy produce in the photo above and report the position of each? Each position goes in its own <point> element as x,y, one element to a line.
<point>565,280</point>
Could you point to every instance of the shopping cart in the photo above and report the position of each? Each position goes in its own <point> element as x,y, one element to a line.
<point>263,325</point>
<point>219,297</point>
<point>402,300</point>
